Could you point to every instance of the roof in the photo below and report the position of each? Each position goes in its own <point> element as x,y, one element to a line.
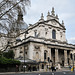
<point>45,22</point>
<point>29,61</point>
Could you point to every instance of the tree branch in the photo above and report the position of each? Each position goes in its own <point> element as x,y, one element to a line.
<point>3,3</point>
<point>9,9</point>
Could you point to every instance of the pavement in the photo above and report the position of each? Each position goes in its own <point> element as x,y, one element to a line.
<point>4,73</point>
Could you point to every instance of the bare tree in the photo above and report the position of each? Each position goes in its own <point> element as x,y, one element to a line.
<point>9,11</point>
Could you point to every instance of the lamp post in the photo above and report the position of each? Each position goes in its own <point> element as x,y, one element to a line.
<point>73,60</point>
<point>49,63</point>
<point>26,32</point>
<point>24,58</point>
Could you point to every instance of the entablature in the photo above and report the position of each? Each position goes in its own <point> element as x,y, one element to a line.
<point>52,44</point>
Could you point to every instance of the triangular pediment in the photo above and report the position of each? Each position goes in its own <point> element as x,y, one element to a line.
<point>55,23</point>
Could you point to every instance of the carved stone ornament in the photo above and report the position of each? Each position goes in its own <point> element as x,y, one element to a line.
<point>58,29</point>
<point>49,27</point>
<point>41,25</point>
<point>53,22</point>
<point>37,47</point>
<point>26,47</point>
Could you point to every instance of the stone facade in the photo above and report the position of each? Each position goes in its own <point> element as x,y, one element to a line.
<point>3,41</point>
<point>45,39</point>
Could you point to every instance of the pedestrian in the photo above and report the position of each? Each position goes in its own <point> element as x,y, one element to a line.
<point>16,68</point>
<point>29,68</point>
<point>52,68</point>
<point>70,67</point>
<point>55,68</point>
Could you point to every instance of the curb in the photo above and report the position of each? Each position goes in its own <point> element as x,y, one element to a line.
<point>2,73</point>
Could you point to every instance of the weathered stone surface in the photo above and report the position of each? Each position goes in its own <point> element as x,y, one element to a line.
<point>39,40</point>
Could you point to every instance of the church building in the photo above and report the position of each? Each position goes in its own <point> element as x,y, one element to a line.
<point>44,44</point>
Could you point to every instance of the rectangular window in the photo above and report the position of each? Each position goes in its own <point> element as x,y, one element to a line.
<point>54,34</point>
<point>44,56</point>
<point>35,34</point>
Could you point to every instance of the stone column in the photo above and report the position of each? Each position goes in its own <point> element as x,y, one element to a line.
<point>71,61</point>
<point>49,55</point>
<point>65,58</point>
<point>56,57</point>
<point>42,53</point>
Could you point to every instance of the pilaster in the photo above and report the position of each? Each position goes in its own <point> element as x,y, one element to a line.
<point>49,55</point>
<point>56,57</point>
<point>65,58</point>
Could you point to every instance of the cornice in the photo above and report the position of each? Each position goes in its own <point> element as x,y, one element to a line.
<point>46,42</point>
<point>57,22</point>
<point>44,22</point>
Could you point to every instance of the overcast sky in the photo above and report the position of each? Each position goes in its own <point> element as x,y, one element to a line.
<point>64,8</point>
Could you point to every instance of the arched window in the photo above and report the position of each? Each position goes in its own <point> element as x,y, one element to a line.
<point>45,55</point>
<point>42,66</point>
<point>53,34</point>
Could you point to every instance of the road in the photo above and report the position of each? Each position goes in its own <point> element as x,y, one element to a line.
<point>43,73</point>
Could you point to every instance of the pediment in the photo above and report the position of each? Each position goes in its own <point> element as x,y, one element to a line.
<point>55,23</point>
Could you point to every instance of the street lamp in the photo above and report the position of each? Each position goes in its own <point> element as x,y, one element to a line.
<point>49,62</point>
<point>26,32</point>
<point>73,58</point>
<point>73,61</point>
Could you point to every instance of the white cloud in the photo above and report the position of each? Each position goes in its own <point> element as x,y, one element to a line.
<point>0,0</point>
<point>67,15</point>
<point>63,8</point>
<point>71,40</point>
